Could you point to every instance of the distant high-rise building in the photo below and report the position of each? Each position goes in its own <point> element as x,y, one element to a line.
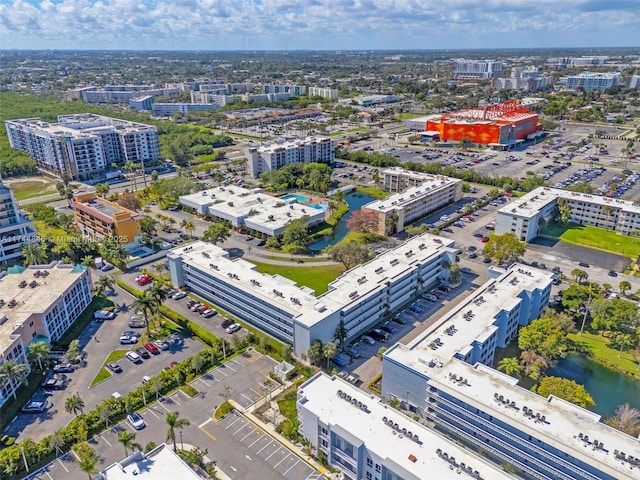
<point>480,69</point>
<point>323,92</point>
<point>15,230</point>
<point>592,81</point>
<point>285,88</point>
<point>83,145</point>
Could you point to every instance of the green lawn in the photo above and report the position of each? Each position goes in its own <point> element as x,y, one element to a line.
<point>316,278</point>
<point>600,350</point>
<point>593,237</point>
<point>103,373</point>
<point>407,116</point>
<point>306,260</point>
<point>32,187</point>
<point>374,192</point>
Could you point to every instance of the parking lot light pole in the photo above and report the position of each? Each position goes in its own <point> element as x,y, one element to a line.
<point>181,444</point>
<point>144,398</point>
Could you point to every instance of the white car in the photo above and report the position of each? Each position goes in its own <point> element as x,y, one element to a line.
<point>368,340</point>
<point>128,339</point>
<point>161,344</point>
<point>179,295</point>
<point>430,297</point>
<point>233,328</point>
<point>134,357</point>
<point>136,421</point>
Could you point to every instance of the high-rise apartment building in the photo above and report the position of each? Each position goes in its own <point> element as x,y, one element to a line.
<point>15,230</point>
<point>271,157</point>
<point>477,69</point>
<point>323,92</point>
<point>592,81</point>
<point>82,146</point>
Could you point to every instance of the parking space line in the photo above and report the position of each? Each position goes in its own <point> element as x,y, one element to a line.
<point>174,400</point>
<point>220,371</point>
<point>162,405</point>
<point>231,424</point>
<point>248,398</point>
<point>290,468</point>
<point>230,368</point>
<point>256,441</point>
<point>270,443</point>
<point>242,439</point>
<point>105,440</point>
<point>278,464</point>
<point>200,379</point>
<point>234,433</point>
<point>254,391</point>
<point>150,410</point>
<point>204,423</point>
<point>277,450</point>
<point>309,476</point>
<point>237,363</point>
<point>208,434</point>
<point>62,465</point>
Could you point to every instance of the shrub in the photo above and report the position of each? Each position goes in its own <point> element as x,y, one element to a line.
<point>149,446</point>
<point>190,390</point>
<point>223,410</point>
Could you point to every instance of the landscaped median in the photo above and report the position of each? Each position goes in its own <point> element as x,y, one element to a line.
<point>103,373</point>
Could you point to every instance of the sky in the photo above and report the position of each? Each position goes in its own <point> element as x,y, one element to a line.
<point>317,24</point>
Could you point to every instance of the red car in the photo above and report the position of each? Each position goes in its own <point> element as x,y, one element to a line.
<point>152,348</point>
<point>143,280</point>
<point>485,239</point>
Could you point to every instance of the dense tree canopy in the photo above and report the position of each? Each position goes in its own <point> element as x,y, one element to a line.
<point>544,337</point>
<point>616,314</point>
<point>365,221</point>
<point>309,176</point>
<point>565,389</point>
<point>350,254</point>
<point>504,248</point>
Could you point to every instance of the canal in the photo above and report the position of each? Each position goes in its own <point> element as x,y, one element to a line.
<point>355,201</point>
<point>607,387</point>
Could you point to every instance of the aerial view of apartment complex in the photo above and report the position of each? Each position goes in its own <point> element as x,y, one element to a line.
<point>83,146</point>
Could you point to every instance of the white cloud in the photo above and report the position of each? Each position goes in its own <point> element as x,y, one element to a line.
<point>316,24</point>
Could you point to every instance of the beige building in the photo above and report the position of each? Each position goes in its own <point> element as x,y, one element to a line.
<point>38,303</point>
<point>417,195</point>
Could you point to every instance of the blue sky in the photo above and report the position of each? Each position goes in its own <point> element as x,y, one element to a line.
<point>317,24</point>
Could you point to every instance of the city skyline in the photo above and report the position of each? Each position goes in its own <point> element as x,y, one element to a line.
<point>316,24</point>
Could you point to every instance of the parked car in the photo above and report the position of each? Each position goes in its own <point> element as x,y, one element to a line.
<point>209,313</point>
<point>430,297</point>
<point>379,335</point>
<point>415,309</point>
<point>134,357</point>
<point>179,295</point>
<point>161,344</point>
<point>261,243</point>
<point>584,264</point>
<point>226,323</point>
<point>107,267</point>
<point>612,273</point>
<point>52,384</point>
<point>146,379</point>
<point>353,352</point>
<point>63,368</point>
<point>136,421</point>
<point>142,352</point>
<point>128,340</point>
<point>339,361</point>
<point>35,407</point>
<point>387,327</point>
<point>101,315</point>
<point>134,322</point>
<point>131,333</point>
<point>143,279</point>
<point>150,347</point>
<point>114,367</point>
<point>233,328</point>
<point>368,340</point>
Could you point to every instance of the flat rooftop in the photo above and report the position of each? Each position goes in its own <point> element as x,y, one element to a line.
<point>371,277</point>
<point>473,319</point>
<point>530,204</point>
<point>83,125</point>
<point>275,147</point>
<point>273,289</point>
<point>29,301</point>
<point>234,202</point>
<point>429,187</point>
<point>99,205</point>
<point>159,463</point>
<point>397,451</point>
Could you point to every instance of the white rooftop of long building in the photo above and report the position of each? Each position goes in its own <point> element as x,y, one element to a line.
<point>82,125</point>
<point>274,289</point>
<point>159,463</point>
<point>52,281</point>
<point>275,147</point>
<point>232,202</point>
<point>410,195</point>
<point>417,457</point>
<point>473,319</point>
<point>367,279</point>
<point>528,205</point>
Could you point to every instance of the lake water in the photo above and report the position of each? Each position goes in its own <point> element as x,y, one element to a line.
<point>608,388</point>
<point>355,201</point>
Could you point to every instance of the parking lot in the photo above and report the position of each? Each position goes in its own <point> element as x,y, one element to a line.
<point>238,447</point>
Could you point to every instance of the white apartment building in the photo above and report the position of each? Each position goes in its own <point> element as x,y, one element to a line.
<point>360,297</point>
<point>523,216</point>
<point>417,195</point>
<point>593,81</point>
<point>294,90</point>
<point>83,145</point>
<point>168,109</point>
<point>15,230</point>
<point>250,209</point>
<point>38,303</point>
<point>272,157</point>
<point>161,462</point>
<point>120,94</point>
<point>367,439</point>
<point>444,375</point>
<point>480,69</point>
<point>323,92</point>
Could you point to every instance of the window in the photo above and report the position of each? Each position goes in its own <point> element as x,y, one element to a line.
<point>369,476</point>
<point>369,462</point>
<point>378,468</point>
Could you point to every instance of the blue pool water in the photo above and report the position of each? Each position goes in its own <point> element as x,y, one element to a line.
<point>299,198</point>
<point>317,206</point>
<point>140,252</point>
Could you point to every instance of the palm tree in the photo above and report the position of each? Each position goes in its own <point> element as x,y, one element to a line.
<point>132,168</point>
<point>102,189</point>
<point>74,404</point>
<point>188,226</point>
<point>104,283</point>
<point>329,351</point>
<point>162,218</point>
<point>127,440</point>
<point>511,366</point>
<point>88,465</point>
<point>12,372</point>
<point>106,412</point>
<point>158,293</point>
<point>624,286</point>
<point>173,421</point>
<point>146,304</point>
<point>88,261</point>
<point>606,211</point>
<point>34,254</point>
<point>39,352</point>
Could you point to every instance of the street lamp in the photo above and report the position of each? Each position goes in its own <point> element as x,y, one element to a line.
<point>181,444</point>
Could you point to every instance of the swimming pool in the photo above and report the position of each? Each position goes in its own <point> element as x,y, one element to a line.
<point>299,198</point>
<point>140,252</point>
<point>317,206</point>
